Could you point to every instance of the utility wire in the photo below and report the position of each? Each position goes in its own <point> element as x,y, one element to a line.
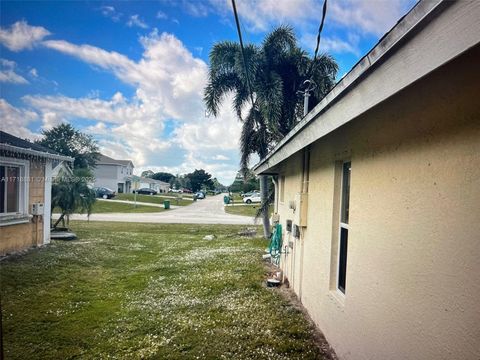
<point>324,13</point>
<point>242,50</point>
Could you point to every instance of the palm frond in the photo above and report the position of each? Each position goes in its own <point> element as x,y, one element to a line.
<point>217,87</point>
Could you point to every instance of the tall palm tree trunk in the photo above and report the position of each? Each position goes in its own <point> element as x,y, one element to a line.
<point>264,198</point>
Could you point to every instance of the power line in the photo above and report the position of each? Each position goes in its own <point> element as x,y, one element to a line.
<point>324,13</point>
<point>242,50</point>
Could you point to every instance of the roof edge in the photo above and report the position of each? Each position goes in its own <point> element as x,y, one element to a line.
<point>8,147</point>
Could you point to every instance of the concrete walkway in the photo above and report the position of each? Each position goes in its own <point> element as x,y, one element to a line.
<point>207,211</point>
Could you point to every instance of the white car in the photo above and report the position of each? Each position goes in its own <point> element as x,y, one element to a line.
<point>255,198</point>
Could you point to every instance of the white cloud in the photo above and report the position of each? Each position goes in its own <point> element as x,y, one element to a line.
<point>220,157</point>
<point>16,121</point>
<point>220,133</point>
<point>135,20</point>
<point>365,16</point>
<point>168,77</point>
<point>33,72</point>
<point>169,83</point>
<point>371,17</point>
<point>8,74</point>
<point>161,15</point>
<point>111,12</point>
<point>22,36</point>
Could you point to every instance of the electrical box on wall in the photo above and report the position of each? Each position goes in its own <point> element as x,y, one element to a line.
<point>37,209</point>
<point>289,226</point>
<point>301,200</point>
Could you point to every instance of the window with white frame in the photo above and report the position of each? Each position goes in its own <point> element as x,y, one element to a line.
<point>343,236</point>
<point>13,187</point>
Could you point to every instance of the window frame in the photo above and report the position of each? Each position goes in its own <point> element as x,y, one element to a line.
<point>23,196</point>
<point>343,226</point>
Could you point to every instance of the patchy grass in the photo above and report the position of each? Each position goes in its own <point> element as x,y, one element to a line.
<point>101,207</point>
<point>154,199</point>
<point>137,291</point>
<point>115,207</point>
<point>245,210</point>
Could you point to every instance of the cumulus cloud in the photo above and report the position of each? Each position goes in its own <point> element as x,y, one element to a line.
<point>16,121</point>
<point>22,36</point>
<point>168,82</point>
<point>8,74</point>
<point>135,20</point>
<point>167,77</point>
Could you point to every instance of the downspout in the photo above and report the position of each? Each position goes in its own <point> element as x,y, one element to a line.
<point>275,186</point>
<point>304,188</point>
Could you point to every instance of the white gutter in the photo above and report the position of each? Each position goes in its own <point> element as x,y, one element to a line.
<point>459,28</point>
<point>43,154</point>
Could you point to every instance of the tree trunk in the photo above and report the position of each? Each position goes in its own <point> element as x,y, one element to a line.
<point>264,197</point>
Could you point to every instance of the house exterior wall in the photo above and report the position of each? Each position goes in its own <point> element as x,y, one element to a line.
<point>111,175</point>
<point>413,260</point>
<point>21,236</point>
<point>107,176</point>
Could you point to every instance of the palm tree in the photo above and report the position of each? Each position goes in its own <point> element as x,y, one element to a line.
<point>276,72</point>
<point>71,193</point>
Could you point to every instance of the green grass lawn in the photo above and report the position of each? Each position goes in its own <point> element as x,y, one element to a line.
<point>155,199</point>
<point>148,291</point>
<point>112,207</point>
<point>245,210</point>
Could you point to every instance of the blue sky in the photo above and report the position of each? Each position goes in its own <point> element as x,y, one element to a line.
<point>132,73</point>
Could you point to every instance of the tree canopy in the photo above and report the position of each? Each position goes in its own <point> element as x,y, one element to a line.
<point>163,176</point>
<point>277,71</point>
<point>267,83</point>
<point>200,179</point>
<point>68,141</point>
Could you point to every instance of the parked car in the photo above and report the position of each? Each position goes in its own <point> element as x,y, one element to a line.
<point>176,190</point>
<point>255,198</point>
<point>250,193</point>
<point>103,192</point>
<point>145,191</point>
<point>200,195</point>
<point>187,191</point>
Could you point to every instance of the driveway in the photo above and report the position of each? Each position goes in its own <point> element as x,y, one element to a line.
<point>207,211</point>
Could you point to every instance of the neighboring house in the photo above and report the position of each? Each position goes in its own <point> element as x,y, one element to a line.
<point>113,174</point>
<point>381,185</point>
<point>25,193</point>
<point>139,182</point>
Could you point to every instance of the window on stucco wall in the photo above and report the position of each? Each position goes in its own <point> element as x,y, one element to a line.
<point>13,188</point>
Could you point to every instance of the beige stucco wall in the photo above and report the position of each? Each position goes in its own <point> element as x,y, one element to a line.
<point>413,267</point>
<point>21,236</point>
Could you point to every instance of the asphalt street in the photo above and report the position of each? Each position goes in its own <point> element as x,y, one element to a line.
<point>206,211</point>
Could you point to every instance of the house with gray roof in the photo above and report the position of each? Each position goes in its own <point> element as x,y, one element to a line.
<point>113,174</point>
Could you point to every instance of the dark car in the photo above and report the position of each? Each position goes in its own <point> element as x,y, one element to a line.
<point>103,192</point>
<point>145,191</point>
